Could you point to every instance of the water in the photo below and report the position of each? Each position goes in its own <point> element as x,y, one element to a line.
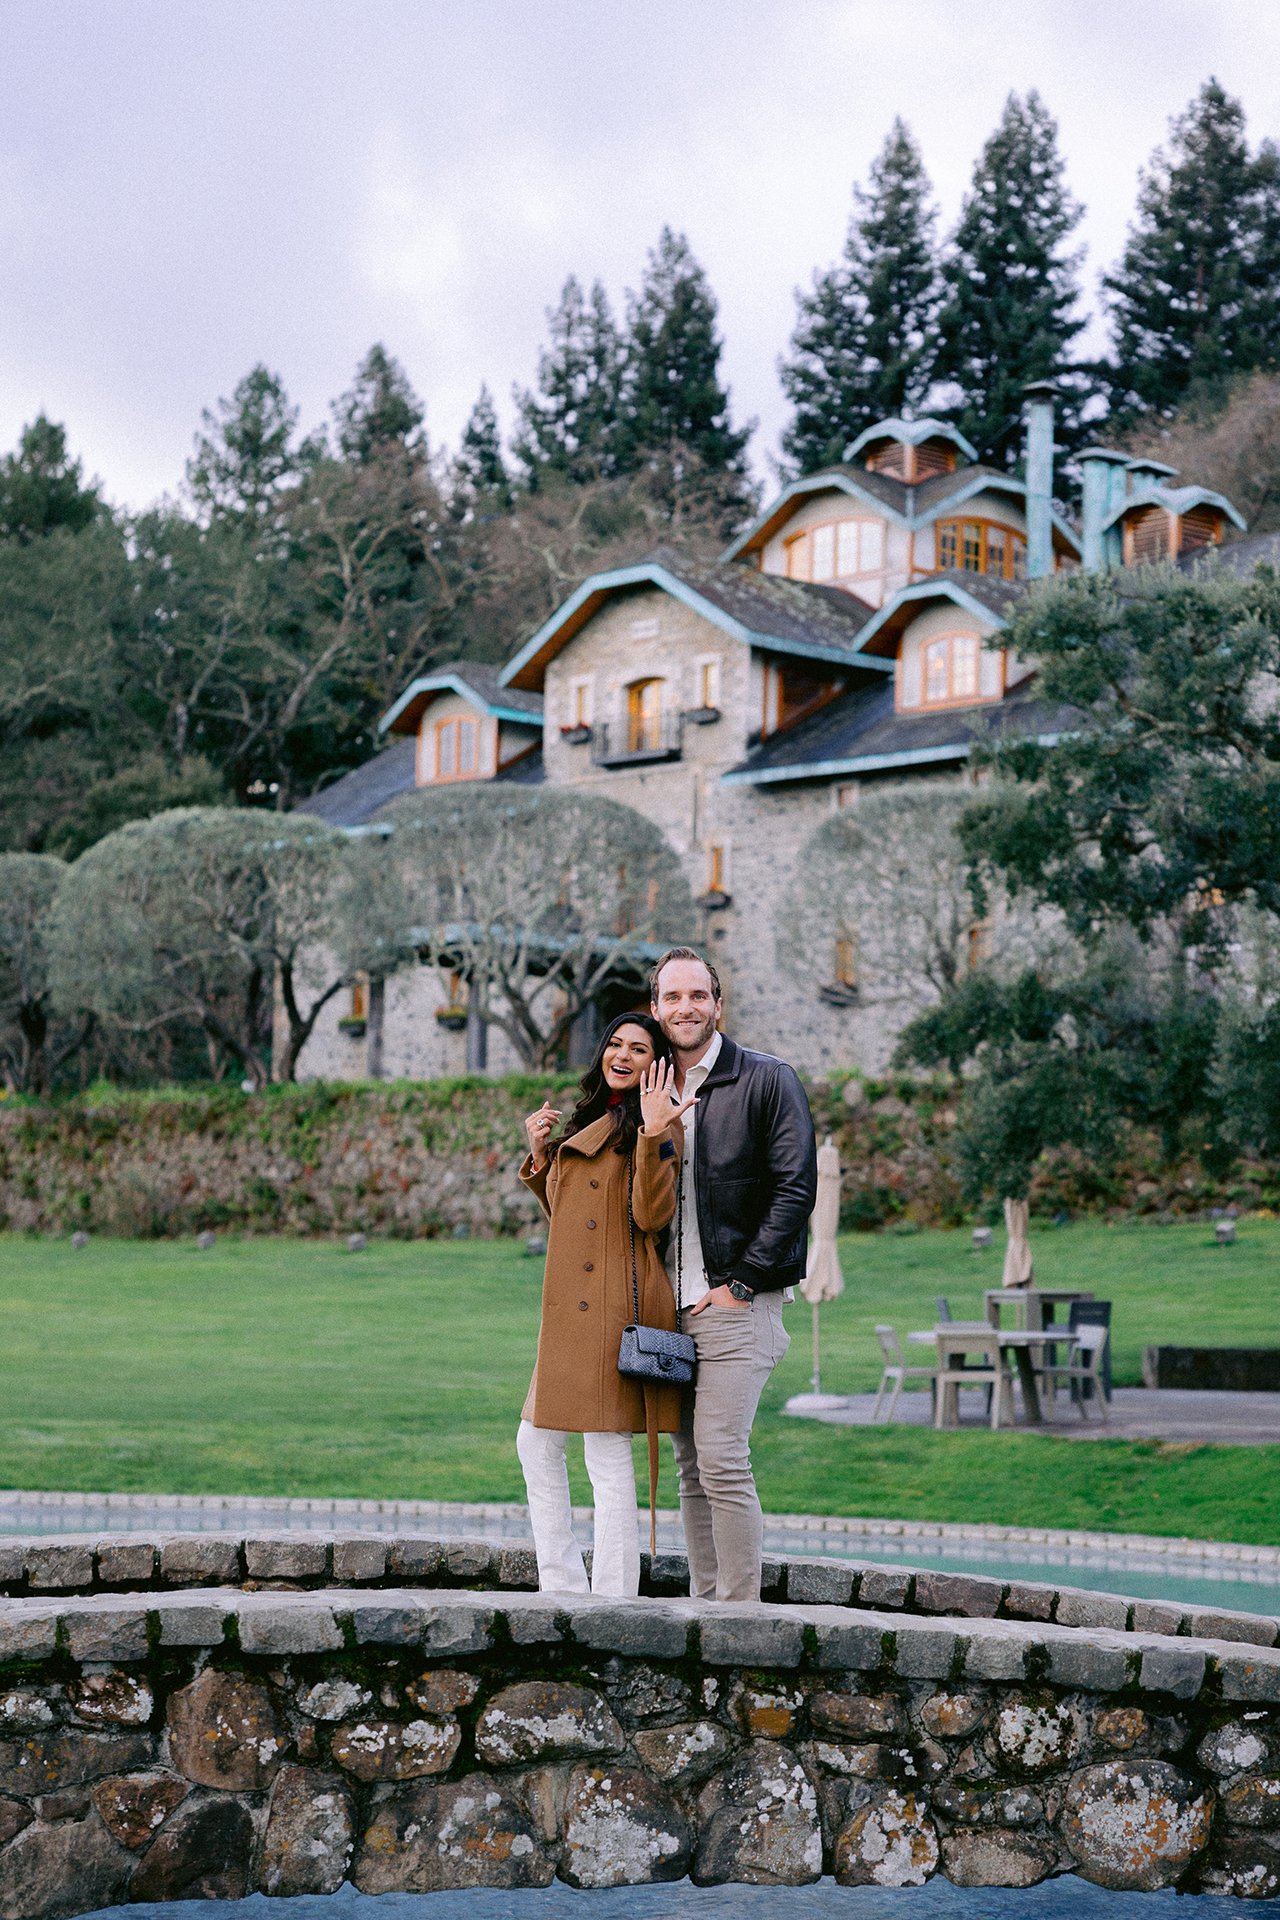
<point>1064,1899</point>
<point>1184,1572</point>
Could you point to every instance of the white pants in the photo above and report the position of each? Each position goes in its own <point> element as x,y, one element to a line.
<point>615,1563</point>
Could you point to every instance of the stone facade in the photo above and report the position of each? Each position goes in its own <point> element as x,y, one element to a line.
<point>433,1723</point>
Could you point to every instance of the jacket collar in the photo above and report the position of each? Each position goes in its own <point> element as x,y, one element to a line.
<point>592,1139</point>
<point>728,1063</point>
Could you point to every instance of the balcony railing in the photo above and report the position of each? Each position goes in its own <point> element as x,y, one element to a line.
<point>630,745</point>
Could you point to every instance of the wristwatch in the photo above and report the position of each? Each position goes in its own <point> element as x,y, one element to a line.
<point>741,1291</point>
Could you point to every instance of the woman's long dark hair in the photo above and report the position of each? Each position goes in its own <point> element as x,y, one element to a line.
<point>594,1091</point>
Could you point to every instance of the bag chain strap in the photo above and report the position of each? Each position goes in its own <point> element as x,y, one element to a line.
<point>631,1231</point>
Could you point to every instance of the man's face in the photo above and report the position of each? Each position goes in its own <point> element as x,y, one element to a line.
<point>686,1007</point>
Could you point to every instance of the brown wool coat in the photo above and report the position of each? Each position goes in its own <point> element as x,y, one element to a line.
<point>586,1295</point>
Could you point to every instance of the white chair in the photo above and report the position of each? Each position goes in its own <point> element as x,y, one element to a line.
<point>895,1370</point>
<point>1083,1364</point>
<point>956,1368</point>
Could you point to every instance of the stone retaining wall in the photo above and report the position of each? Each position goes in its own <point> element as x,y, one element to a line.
<point>166,1741</point>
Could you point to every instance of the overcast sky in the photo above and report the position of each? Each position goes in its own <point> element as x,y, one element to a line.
<point>190,186</point>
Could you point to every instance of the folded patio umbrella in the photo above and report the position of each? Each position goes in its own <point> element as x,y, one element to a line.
<point>1018,1271</point>
<point>823,1279</point>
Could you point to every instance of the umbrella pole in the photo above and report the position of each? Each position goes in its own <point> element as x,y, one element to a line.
<point>816,1382</point>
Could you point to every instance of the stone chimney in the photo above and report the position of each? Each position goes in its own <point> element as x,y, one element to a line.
<point>1105,476</point>
<point>1039,413</point>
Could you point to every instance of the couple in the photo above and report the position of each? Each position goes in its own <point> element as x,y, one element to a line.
<point>696,1158</point>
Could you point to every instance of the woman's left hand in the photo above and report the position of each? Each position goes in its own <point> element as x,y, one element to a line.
<point>660,1104</point>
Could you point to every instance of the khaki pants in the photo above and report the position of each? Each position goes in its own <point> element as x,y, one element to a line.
<point>738,1348</point>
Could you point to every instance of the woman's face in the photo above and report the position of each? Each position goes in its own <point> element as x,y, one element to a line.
<point>626,1055</point>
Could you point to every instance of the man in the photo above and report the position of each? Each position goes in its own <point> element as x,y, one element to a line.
<point>748,1184</point>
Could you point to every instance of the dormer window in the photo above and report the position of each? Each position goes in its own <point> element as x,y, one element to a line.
<point>948,670</point>
<point>837,552</point>
<point>982,546</point>
<point>1202,527</point>
<point>1147,537</point>
<point>457,748</point>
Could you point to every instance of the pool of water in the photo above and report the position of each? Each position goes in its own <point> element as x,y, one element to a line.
<point>1178,1573</point>
<point>1064,1899</point>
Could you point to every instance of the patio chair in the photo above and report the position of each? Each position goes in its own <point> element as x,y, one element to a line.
<point>985,1368</point>
<point>1082,1370</point>
<point>1094,1313</point>
<point>895,1370</point>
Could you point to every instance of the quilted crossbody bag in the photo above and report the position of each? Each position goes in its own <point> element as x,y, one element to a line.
<point>651,1353</point>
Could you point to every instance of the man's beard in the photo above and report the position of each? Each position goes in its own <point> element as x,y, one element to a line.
<point>684,1040</point>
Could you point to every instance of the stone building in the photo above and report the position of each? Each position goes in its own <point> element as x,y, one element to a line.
<point>845,638</point>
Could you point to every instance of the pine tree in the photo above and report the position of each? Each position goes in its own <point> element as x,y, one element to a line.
<point>41,486</point>
<point>863,342</point>
<point>1194,297</point>
<point>245,455</point>
<point>673,394</point>
<point>569,426</point>
<point>480,472</point>
<point>379,409</point>
<point>1009,290</point>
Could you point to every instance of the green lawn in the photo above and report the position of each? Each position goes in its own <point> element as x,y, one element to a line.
<point>293,1367</point>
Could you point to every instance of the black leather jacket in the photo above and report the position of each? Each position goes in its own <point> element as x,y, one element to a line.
<point>755,1170</point>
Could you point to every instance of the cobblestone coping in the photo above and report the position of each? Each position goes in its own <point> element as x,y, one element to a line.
<point>415,1513</point>
<point>141,1563</point>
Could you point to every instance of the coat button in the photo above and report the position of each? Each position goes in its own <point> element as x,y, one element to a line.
<point>589,1267</point>
<point>595,1183</point>
<point>582,1306</point>
<point>591,1223</point>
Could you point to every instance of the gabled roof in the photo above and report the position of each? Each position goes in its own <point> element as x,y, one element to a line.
<point>986,598</point>
<point>911,506</point>
<point>762,610</point>
<point>912,433</point>
<point>1175,500</point>
<point>478,684</point>
<point>1235,556</point>
<point>862,733</point>
<point>353,800</point>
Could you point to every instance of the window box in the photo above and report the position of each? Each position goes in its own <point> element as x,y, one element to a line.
<point>715,900</point>
<point>701,716</point>
<point>839,993</point>
<point>452,1019</point>
<point>353,1025</point>
<point>575,736</point>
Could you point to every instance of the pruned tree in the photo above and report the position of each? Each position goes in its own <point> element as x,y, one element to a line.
<point>541,899</point>
<point>203,917</point>
<point>879,901</point>
<point>33,1045</point>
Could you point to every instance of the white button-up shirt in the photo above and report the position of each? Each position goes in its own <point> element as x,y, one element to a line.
<point>693,1277</point>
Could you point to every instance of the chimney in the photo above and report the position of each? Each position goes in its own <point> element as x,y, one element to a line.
<point>1105,475</point>
<point>1039,409</point>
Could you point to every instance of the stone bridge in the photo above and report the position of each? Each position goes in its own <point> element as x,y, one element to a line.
<point>206,1716</point>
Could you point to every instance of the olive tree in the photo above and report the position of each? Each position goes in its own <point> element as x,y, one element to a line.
<point>33,1046</point>
<point>220,918</point>
<point>541,899</point>
<point>880,893</point>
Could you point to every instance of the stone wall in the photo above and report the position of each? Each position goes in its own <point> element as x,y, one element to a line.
<point>440,1157</point>
<point>205,1716</point>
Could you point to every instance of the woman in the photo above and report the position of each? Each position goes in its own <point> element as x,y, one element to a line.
<point>607,1185</point>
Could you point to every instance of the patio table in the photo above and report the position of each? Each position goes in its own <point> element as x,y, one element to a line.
<point>1036,1303</point>
<point>1020,1341</point>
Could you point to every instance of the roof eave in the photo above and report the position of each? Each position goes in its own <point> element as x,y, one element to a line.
<point>776,516</point>
<point>861,763</point>
<point>421,690</point>
<point>921,591</point>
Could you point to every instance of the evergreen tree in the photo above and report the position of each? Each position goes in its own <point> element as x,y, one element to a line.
<point>673,393</point>
<point>380,410</point>
<point>1009,290</point>
<point>569,426</point>
<point>480,472</point>
<point>862,346</point>
<point>245,457</point>
<point>1194,297</point>
<point>41,487</point>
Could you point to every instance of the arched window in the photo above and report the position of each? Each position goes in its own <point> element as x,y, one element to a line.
<point>982,546</point>
<point>644,716</point>
<point>837,552</point>
<point>949,670</point>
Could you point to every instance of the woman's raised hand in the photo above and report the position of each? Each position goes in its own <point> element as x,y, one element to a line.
<point>660,1104</point>
<point>538,1127</point>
